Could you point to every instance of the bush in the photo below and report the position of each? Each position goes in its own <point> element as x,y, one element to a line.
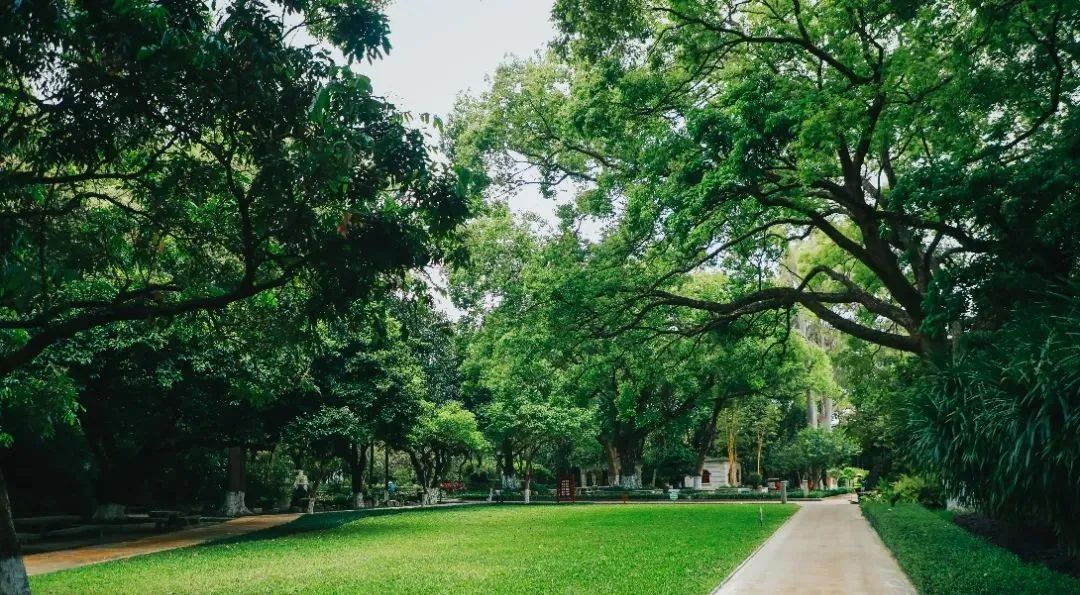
<point>452,486</point>
<point>753,479</point>
<point>942,558</point>
<point>1001,421</point>
<point>917,489</point>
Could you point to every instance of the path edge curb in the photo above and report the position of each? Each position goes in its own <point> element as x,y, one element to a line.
<point>727,579</point>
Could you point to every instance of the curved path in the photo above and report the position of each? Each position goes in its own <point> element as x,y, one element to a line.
<point>64,559</point>
<point>826,547</point>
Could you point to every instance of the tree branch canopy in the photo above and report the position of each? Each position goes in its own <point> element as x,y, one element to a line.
<point>876,152</point>
<point>163,160</point>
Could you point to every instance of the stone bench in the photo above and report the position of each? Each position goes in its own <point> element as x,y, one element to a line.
<point>173,518</point>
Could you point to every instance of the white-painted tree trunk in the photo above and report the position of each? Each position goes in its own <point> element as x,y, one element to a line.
<point>630,481</point>
<point>109,512</point>
<point>358,500</point>
<point>13,580</point>
<point>510,481</point>
<point>527,493</point>
<point>234,505</point>
<point>313,497</point>
<point>429,497</point>
<point>695,482</point>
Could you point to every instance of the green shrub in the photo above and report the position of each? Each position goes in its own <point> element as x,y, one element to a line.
<point>1000,422</point>
<point>943,558</point>
<point>753,479</point>
<point>917,489</point>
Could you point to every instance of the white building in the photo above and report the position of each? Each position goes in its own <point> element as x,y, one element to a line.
<point>714,475</point>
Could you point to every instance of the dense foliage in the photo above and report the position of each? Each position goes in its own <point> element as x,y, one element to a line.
<point>190,194</point>
<point>163,159</point>
<point>1003,420</point>
<point>905,172</point>
<point>791,237</point>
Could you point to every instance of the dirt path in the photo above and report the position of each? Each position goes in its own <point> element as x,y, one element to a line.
<point>64,559</point>
<point>826,547</point>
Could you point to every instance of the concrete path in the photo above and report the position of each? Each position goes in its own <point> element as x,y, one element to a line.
<point>826,547</point>
<point>64,559</point>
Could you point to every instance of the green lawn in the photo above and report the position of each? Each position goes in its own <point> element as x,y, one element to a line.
<point>943,558</point>
<point>637,548</point>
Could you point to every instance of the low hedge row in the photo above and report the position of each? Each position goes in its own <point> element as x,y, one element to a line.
<point>943,558</point>
<point>645,495</point>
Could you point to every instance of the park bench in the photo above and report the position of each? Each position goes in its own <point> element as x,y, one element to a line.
<point>172,518</point>
<point>43,525</point>
<point>78,531</point>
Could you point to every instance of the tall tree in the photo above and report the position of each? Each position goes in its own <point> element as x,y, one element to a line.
<point>169,158</point>
<point>442,432</point>
<point>929,145</point>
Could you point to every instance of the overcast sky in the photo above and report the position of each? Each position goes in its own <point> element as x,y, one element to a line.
<point>445,47</point>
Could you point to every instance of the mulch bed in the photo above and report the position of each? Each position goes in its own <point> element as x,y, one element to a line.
<point>1033,544</point>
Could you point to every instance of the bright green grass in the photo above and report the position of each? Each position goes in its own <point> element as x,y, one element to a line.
<point>638,548</point>
<point>944,559</point>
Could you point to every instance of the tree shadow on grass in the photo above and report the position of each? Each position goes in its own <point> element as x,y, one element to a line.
<point>323,521</point>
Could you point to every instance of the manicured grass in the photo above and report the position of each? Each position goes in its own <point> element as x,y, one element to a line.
<point>588,548</point>
<point>941,557</point>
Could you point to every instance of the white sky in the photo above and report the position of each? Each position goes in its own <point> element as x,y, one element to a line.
<point>444,47</point>
<point>441,48</point>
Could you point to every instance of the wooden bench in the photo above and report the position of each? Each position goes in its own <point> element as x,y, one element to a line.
<point>42,525</point>
<point>78,531</point>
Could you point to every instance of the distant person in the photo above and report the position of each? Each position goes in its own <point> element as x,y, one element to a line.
<point>391,488</point>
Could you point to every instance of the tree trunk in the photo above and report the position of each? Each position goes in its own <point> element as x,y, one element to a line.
<point>630,481</point>
<point>509,476</point>
<point>732,447</point>
<point>613,463</point>
<point>706,437</point>
<point>430,496</point>
<point>110,490</point>
<point>811,410</point>
<point>357,463</point>
<point>386,465</point>
<point>826,413</point>
<point>371,465</point>
<point>313,495</point>
<point>237,483</point>
<point>13,580</point>
<point>760,446</point>
<point>527,493</point>
<point>629,465</point>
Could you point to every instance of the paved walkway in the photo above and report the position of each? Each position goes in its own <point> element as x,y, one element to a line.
<point>64,559</point>
<point>826,547</point>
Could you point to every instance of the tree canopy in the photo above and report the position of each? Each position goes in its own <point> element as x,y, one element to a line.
<point>925,146</point>
<point>164,159</point>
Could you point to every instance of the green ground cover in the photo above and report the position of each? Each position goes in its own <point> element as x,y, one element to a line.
<point>639,548</point>
<point>941,557</point>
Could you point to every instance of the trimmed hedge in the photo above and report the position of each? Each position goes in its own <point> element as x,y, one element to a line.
<point>653,495</point>
<point>941,557</point>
